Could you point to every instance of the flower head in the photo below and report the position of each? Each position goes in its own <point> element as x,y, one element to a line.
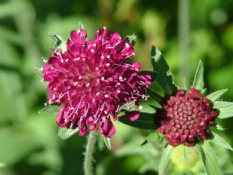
<point>91,81</point>
<point>186,118</point>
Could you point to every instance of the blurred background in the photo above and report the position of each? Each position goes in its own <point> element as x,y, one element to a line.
<point>28,141</point>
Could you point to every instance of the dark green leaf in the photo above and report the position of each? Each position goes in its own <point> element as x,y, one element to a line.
<point>107,142</point>
<point>225,109</point>
<point>152,137</point>
<point>66,133</point>
<point>216,95</point>
<point>220,141</point>
<point>166,155</point>
<point>49,109</point>
<point>154,95</point>
<point>209,159</point>
<point>39,73</point>
<point>198,82</point>
<point>151,73</point>
<point>145,121</point>
<point>186,153</point>
<point>164,79</point>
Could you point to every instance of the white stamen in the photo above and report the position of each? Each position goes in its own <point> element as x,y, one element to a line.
<point>108,64</point>
<point>92,50</point>
<point>106,95</point>
<point>140,107</point>
<point>102,78</point>
<point>83,59</point>
<point>80,77</point>
<point>120,78</point>
<point>67,60</point>
<point>53,96</point>
<point>118,91</point>
<point>127,45</point>
<point>133,53</point>
<point>96,68</point>
<point>94,45</point>
<point>102,57</point>
<point>77,59</point>
<point>105,112</point>
<point>45,61</point>
<point>97,93</point>
<point>75,83</point>
<point>118,84</point>
<point>88,84</point>
<point>108,56</point>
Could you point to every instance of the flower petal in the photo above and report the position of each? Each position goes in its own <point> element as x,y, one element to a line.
<point>78,36</point>
<point>132,115</point>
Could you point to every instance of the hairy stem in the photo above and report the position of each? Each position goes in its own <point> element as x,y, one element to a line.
<point>88,156</point>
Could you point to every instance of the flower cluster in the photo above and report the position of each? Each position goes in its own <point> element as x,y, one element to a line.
<point>186,118</point>
<point>91,81</point>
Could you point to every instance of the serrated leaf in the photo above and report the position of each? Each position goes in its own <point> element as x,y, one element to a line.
<point>184,85</point>
<point>198,82</point>
<point>107,142</point>
<point>131,106</point>
<point>220,141</point>
<point>225,109</point>
<point>152,137</point>
<point>216,95</point>
<point>166,155</point>
<point>154,95</point>
<point>186,153</point>
<point>49,109</point>
<point>209,159</point>
<point>38,73</point>
<point>164,79</point>
<point>66,133</point>
<point>151,73</point>
<point>145,121</point>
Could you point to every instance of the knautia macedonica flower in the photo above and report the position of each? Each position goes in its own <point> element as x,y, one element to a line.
<point>91,80</point>
<point>186,118</point>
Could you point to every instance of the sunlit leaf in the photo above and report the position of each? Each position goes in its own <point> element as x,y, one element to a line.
<point>166,155</point>
<point>216,95</point>
<point>209,159</point>
<point>152,137</point>
<point>184,85</point>
<point>164,79</point>
<point>49,109</point>
<point>131,106</point>
<point>225,108</point>
<point>186,153</point>
<point>66,133</point>
<point>145,121</point>
<point>220,141</point>
<point>198,82</point>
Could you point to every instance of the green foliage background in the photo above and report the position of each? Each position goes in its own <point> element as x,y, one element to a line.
<point>28,141</point>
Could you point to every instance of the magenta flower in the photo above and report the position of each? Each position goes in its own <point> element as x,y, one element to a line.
<point>91,80</point>
<point>186,118</point>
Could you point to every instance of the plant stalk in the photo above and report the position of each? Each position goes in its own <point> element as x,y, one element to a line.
<point>88,156</point>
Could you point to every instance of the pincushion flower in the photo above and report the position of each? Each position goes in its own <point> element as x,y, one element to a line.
<point>91,80</point>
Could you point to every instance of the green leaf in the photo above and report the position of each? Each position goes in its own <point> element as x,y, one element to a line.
<point>219,127</point>
<point>225,109</point>
<point>220,141</point>
<point>198,82</point>
<point>165,79</point>
<point>49,109</point>
<point>145,121</point>
<point>2,165</point>
<point>39,73</point>
<point>152,137</point>
<point>132,39</point>
<point>66,133</point>
<point>186,153</point>
<point>81,26</point>
<point>184,85</point>
<point>151,73</point>
<point>216,95</point>
<point>57,40</point>
<point>107,142</point>
<point>149,166</point>
<point>129,106</point>
<point>166,155</point>
<point>209,159</point>
<point>154,95</point>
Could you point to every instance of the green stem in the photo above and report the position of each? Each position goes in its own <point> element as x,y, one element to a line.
<point>88,157</point>
<point>183,31</point>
